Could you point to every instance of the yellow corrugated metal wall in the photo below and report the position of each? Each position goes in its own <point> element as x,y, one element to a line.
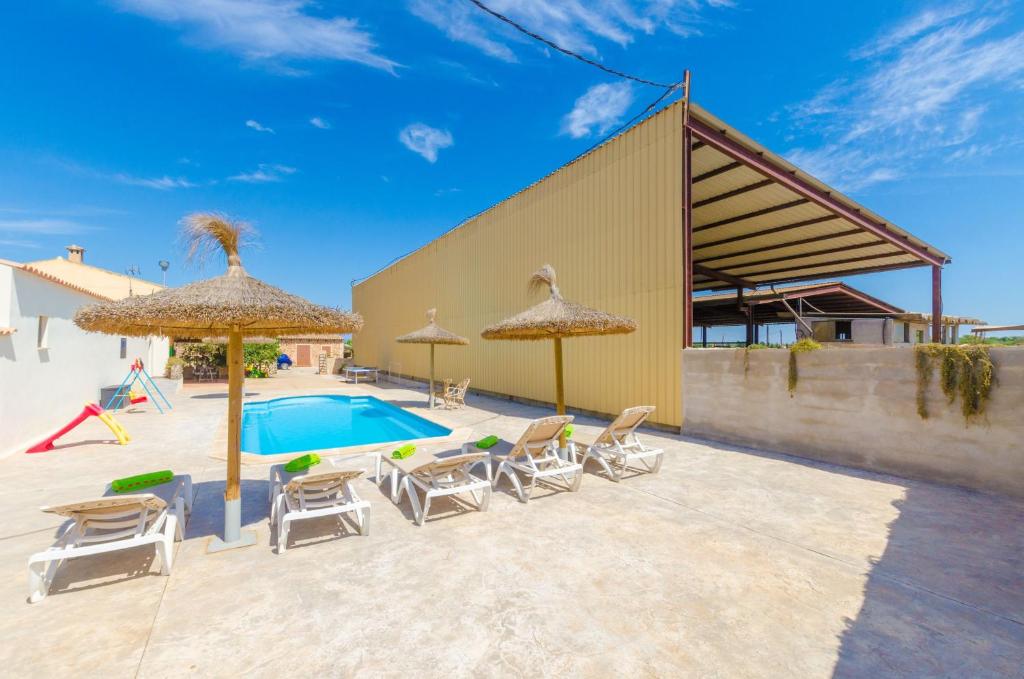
<point>610,225</point>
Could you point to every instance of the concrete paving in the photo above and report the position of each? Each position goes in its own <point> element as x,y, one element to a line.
<point>729,563</point>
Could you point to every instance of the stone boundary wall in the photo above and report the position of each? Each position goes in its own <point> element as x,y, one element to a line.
<point>858,407</point>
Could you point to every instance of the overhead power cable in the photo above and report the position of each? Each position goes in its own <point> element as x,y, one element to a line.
<point>522,29</point>
<point>626,125</point>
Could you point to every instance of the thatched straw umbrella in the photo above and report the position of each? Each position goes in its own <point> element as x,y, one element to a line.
<point>432,334</point>
<point>235,304</point>
<point>555,319</point>
<point>248,340</point>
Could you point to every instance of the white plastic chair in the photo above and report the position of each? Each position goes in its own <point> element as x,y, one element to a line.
<point>106,525</point>
<point>440,476</point>
<point>314,495</point>
<point>619,445</point>
<point>535,456</point>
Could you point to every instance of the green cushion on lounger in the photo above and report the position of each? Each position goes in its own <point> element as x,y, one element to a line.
<point>405,451</point>
<point>301,464</point>
<point>487,442</point>
<point>132,484</point>
<point>568,431</point>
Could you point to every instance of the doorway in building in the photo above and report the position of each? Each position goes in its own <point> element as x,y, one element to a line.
<point>302,356</point>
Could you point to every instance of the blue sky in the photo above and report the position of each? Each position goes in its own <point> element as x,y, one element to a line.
<point>350,132</point>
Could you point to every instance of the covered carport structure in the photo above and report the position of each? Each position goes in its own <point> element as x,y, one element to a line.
<point>788,304</point>
<point>752,219</point>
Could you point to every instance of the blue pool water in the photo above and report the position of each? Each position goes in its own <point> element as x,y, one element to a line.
<point>301,423</point>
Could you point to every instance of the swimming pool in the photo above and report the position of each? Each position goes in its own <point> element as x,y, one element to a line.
<point>300,423</point>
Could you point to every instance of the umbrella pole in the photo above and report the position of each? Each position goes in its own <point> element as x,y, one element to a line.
<point>430,401</point>
<point>233,536</point>
<point>560,394</point>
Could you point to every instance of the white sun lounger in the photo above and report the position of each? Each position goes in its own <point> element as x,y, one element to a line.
<point>438,475</point>
<point>308,496</point>
<point>618,445</point>
<point>535,456</point>
<point>103,525</point>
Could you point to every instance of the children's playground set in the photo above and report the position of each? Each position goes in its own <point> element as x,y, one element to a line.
<point>123,396</point>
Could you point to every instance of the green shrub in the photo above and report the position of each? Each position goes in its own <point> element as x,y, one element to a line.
<point>198,354</point>
<point>965,369</point>
<point>258,358</point>
<point>173,367</point>
<point>799,347</point>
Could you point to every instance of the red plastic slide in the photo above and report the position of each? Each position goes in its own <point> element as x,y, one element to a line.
<point>88,411</point>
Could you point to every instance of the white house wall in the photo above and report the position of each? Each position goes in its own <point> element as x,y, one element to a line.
<point>42,389</point>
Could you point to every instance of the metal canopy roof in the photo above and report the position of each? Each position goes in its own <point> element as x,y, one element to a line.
<point>996,328</point>
<point>921,317</point>
<point>820,299</point>
<point>758,219</point>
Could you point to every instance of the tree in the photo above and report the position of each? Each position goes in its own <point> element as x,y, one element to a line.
<point>259,357</point>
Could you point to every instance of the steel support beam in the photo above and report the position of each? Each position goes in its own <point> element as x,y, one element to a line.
<point>768,232</point>
<point>818,276</point>
<point>800,255</point>
<point>757,162</point>
<point>687,243</point>
<point>936,303</point>
<point>788,244</point>
<point>756,213</point>
<point>818,265</point>
<point>724,277</point>
<point>750,325</point>
<point>735,192</point>
<point>717,171</point>
<point>839,288</point>
<point>688,147</point>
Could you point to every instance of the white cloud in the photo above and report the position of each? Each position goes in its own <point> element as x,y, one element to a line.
<point>164,183</point>
<point>17,233</point>
<point>926,92</point>
<point>317,121</point>
<point>264,173</point>
<point>254,125</point>
<point>598,109</point>
<point>425,140</point>
<point>910,28</point>
<point>460,22</point>
<point>42,226</point>
<point>71,211</point>
<point>266,31</point>
<point>17,243</point>
<point>850,168</point>
<point>573,24</point>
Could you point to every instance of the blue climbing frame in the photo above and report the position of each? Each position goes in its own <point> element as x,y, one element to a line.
<point>138,374</point>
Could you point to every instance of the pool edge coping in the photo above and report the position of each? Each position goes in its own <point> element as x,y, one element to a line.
<point>459,434</point>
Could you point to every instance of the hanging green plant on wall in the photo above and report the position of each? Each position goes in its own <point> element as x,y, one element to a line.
<point>923,363</point>
<point>800,347</point>
<point>965,369</point>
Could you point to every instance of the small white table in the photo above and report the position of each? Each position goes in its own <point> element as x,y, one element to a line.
<point>353,372</point>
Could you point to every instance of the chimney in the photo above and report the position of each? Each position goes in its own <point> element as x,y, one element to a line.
<point>76,253</point>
